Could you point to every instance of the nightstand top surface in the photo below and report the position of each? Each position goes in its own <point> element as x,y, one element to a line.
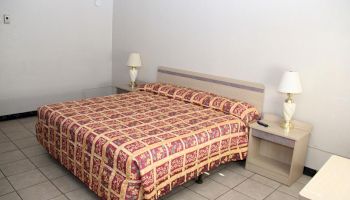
<point>300,130</point>
<point>126,86</point>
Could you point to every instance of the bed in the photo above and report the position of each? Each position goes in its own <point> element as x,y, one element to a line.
<point>141,145</point>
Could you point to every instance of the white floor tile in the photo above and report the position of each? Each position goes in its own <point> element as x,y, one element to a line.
<point>254,189</point>
<point>239,169</point>
<point>5,187</point>
<point>228,178</point>
<point>277,195</point>
<point>11,156</point>
<point>265,181</point>
<point>17,167</point>
<point>304,179</point>
<point>292,190</point>
<point>234,195</point>
<point>186,194</point>
<point>43,191</point>
<point>67,183</point>
<point>7,146</point>
<point>82,193</point>
<point>10,196</point>
<point>209,188</point>
<point>27,179</point>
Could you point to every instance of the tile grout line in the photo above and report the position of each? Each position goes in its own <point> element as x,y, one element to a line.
<point>34,134</point>
<point>17,160</point>
<point>287,193</point>
<point>204,180</point>
<point>271,193</point>
<point>64,194</point>
<point>197,193</point>
<point>235,190</point>
<point>31,134</point>
<point>7,150</point>
<point>222,184</point>
<point>166,196</point>
<point>14,190</point>
<point>44,176</point>
<point>289,186</point>
<point>223,193</point>
<point>17,147</point>
<point>275,189</point>
<point>36,167</point>
<point>282,191</point>
<point>235,185</point>
<point>249,177</point>
<point>211,180</point>
<point>246,178</point>
<point>255,182</point>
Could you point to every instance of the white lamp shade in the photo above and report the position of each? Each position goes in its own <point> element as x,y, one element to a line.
<point>134,60</point>
<point>290,83</point>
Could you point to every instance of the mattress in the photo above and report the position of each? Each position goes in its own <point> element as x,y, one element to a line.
<point>140,145</point>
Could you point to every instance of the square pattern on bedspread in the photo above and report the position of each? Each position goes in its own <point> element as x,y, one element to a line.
<point>139,145</point>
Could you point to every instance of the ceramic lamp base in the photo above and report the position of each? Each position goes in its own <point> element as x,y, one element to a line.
<point>132,84</point>
<point>288,112</point>
<point>287,125</point>
<point>133,76</point>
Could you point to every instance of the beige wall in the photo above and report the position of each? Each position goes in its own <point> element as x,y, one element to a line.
<point>251,40</point>
<point>53,50</point>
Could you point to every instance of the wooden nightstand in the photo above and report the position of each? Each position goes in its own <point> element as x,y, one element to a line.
<point>125,87</point>
<point>275,153</point>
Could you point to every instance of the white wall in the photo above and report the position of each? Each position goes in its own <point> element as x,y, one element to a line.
<point>53,51</point>
<point>251,40</point>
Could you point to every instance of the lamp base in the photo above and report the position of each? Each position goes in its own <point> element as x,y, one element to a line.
<point>133,75</point>
<point>132,84</point>
<point>288,112</point>
<point>287,125</point>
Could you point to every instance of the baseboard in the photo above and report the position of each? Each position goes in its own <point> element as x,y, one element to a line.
<point>18,115</point>
<point>309,172</point>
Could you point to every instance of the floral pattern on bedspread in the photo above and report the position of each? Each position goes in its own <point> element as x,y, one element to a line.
<point>139,145</point>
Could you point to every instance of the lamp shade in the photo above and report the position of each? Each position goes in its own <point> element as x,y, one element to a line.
<point>290,83</point>
<point>134,60</point>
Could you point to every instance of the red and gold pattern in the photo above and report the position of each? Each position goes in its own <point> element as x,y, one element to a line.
<point>243,110</point>
<point>140,145</point>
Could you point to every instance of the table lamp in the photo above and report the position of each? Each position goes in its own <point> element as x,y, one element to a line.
<point>134,62</point>
<point>290,84</point>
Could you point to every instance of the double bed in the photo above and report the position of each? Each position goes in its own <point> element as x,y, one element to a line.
<point>141,145</point>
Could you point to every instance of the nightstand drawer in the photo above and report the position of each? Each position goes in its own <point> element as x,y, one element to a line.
<point>273,138</point>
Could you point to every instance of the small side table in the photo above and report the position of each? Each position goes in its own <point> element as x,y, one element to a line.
<point>330,182</point>
<point>125,87</point>
<point>275,153</point>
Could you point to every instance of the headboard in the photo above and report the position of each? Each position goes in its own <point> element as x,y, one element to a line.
<point>250,92</point>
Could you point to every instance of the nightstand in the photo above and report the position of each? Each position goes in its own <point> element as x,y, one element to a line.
<point>125,87</point>
<point>276,153</point>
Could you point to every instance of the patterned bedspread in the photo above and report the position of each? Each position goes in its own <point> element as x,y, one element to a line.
<point>142,144</point>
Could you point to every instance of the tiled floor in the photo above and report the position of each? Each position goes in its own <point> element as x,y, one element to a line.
<point>28,173</point>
